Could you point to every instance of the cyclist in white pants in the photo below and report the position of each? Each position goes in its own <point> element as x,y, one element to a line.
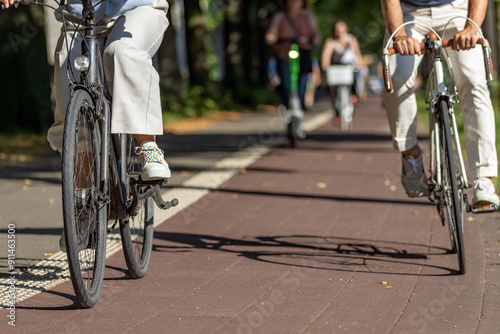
<point>467,61</point>
<point>131,33</point>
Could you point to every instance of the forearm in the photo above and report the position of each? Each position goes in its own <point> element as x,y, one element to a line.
<point>326,55</point>
<point>270,39</point>
<point>393,16</point>
<point>477,11</point>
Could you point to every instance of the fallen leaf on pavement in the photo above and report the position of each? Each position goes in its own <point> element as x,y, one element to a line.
<point>385,283</point>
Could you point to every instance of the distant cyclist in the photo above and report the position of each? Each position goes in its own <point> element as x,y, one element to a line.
<point>341,49</point>
<point>469,73</point>
<point>294,24</point>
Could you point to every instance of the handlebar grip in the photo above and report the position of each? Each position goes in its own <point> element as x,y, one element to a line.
<point>387,72</point>
<point>488,64</point>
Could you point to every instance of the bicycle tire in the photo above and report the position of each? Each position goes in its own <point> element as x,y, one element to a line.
<point>85,214</point>
<point>452,193</point>
<point>138,228</point>
<point>292,130</point>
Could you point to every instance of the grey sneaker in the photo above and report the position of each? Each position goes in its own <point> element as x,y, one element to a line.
<point>484,192</point>
<point>413,177</point>
<point>155,167</point>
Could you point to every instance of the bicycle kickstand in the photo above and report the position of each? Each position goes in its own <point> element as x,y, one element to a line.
<point>164,205</point>
<point>154,191</point>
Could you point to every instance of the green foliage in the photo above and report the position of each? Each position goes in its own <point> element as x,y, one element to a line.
<point>364,19</point>
<point>195,102</point>
<point>26,92</point>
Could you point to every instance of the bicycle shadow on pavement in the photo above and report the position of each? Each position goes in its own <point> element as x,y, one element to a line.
<point>317,252</point>
<point>356,142</point>
<point>349,199</point>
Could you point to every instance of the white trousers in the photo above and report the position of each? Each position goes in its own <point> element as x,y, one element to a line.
<point>129,43</point>
<point>469,72</point>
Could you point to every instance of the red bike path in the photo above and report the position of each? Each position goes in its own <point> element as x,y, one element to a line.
<point>320,238</point>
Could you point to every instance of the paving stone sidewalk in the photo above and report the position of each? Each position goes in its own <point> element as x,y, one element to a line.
<point>316,239</point>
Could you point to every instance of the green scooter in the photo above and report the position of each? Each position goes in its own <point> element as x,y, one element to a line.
<point>295,114</point>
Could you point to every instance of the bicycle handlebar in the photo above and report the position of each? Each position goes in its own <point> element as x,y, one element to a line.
<point>444,43</point>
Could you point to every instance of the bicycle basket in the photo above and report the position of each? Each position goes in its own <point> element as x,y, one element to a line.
<point>337,75</point>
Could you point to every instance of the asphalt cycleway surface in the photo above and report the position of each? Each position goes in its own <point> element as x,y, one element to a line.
<point>320,238</point>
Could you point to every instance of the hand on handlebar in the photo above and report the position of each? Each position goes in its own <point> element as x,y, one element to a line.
<point>407,46</point>
<point>466,39</point>
<point>7,3</point>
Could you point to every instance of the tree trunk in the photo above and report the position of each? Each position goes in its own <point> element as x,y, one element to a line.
<point>196,42</point>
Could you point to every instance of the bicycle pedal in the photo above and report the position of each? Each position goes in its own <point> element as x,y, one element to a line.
<point>160,182</point>
<point>483,208</point>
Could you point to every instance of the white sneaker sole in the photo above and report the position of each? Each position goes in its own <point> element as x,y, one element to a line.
<point>482,199</point>
<point>155,173</point>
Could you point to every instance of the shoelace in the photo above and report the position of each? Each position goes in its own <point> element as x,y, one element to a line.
<point>484,186</point>
<point>412,166</point>
<point>150,154</point>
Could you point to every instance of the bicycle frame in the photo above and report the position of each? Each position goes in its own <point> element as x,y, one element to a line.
<point>438,92</point>
<point>93,80</point>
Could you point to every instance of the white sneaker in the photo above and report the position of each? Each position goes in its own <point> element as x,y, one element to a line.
<point>155,167</point>
<point>484,192</point>
<point>413,176</point>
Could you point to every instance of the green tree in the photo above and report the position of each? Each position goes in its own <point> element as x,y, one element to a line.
<point>25,92</point>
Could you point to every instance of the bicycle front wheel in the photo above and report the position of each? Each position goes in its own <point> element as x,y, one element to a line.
<point>85,214</point>
<point>137,229</point>
<point>453,195</point>
<point>292,130</point>
<point>345,109</point>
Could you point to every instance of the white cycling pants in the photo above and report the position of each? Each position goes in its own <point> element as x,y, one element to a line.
<point>469,72</point>
<point>130,42</point>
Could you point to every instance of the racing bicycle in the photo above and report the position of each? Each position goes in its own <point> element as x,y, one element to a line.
<point>448,179</point>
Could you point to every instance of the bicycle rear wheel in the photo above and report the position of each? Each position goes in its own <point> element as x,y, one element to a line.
<point>85,214</point>
<point>138,228</point>
<point>452,188</point>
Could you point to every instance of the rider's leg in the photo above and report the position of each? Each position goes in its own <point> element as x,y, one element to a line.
<point>401,108</point>
<point>477,109</point>
<point>302,89</point>
<point>284,73</point>
<point>61,88</point>
<point>134,82</point>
